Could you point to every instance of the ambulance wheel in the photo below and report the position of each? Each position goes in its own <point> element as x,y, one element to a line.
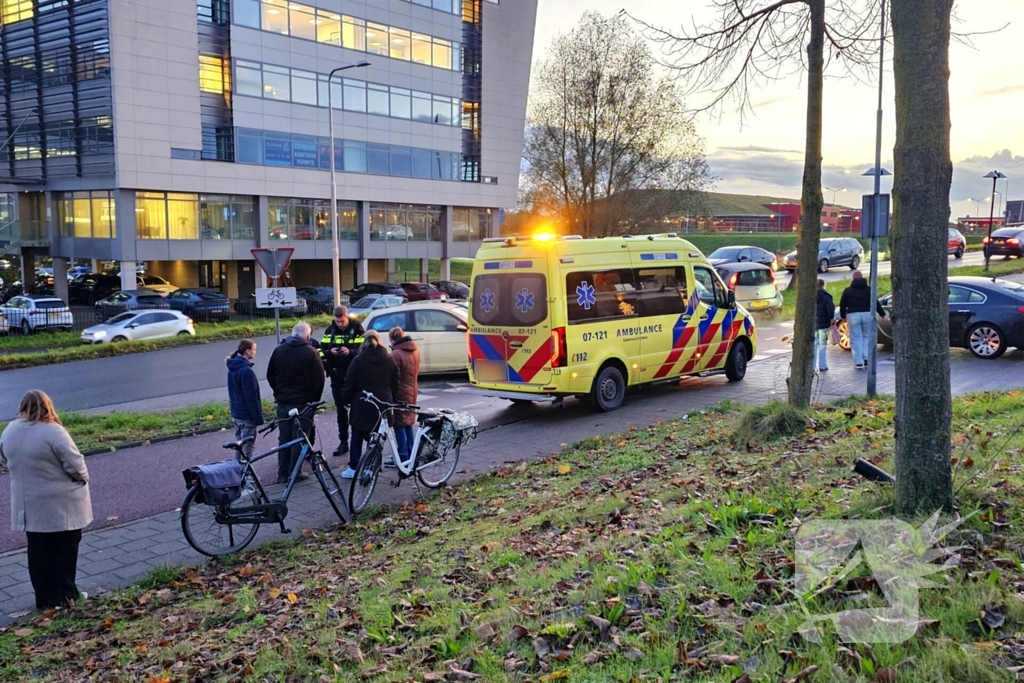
<point>608,391</point>
<point>736,365</point>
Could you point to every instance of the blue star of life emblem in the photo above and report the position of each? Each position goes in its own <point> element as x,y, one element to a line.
<point>487,301</point>
<point>585,296</point>
<point>524,300</point>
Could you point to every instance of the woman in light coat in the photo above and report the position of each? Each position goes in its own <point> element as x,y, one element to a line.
<point>49,497</point>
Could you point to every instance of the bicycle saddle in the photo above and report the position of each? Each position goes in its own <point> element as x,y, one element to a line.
<point>237,445</point>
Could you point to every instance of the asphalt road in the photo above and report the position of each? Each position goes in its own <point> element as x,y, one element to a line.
<point>971,258</point>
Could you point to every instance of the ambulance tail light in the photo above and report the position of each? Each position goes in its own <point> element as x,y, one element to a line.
<point>559,351</point>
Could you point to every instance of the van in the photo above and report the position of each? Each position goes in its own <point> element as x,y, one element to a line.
<point>551,317</point>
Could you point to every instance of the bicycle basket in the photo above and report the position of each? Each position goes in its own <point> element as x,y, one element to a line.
<point>456,430</point>
<point>220,483</point>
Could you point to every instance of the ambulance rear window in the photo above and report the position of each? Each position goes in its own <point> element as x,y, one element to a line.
<point>510,300</point>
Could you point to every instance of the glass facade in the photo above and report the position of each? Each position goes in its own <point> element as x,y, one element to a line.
<point>324,26</point>
<point>186,216</point>
<point>310,219</point>
<point>87,215</point>
<point>350,156</point>
<point>470,225</point>
<point>406,223</point>
<point>305,87</point>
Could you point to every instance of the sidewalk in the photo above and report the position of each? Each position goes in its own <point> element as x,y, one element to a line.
<point>119,555</point>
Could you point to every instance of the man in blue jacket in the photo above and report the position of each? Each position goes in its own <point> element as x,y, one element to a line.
<point>244,394</point>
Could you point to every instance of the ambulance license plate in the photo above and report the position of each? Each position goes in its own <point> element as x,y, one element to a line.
<point>490,370</point>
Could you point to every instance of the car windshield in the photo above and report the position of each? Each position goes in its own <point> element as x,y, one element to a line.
<point>118,319</point>
<point>754,278</point>
<point>726,252</point>
<point>366,302</point>
<point>50,303</point>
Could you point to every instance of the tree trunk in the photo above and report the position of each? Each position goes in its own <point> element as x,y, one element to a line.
<point>801,375</point>
<point>923,173</point>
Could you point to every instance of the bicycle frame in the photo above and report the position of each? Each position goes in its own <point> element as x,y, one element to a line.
<point>386,432</point>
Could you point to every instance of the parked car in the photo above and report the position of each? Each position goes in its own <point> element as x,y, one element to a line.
<point>833,251</point>
<point>121,302</point>
<point>320,299</point>
<point>438,328</point>
<point>138,325</point>
<point>155,283</point>
<point>248,307</point>
<point>957,243</point>
<point>12,290</point>
<point>421,291</point>
<point>754,285</point>
<point>453,288</point>
<point>200,303</point>
<point>5,327</point>
<point>986,316</point>
<point>1005,242</point>
<point>742,254</point>
<point>374,302</point>
<point>399,232</point>
<point>32,312</point>
<point>75,271</point>
<point>368,288</point>
<point>91,287</point>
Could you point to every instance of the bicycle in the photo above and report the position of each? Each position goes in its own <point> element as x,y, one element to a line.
<point>435,450</point>
<point>221,529</point>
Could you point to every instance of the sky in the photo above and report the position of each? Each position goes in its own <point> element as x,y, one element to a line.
<point>762,153</point>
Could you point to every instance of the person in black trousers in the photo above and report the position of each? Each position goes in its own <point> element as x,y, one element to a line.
<point>826,311</point>
<point>338,346</point>
<point>296,375</point>
<point>375,372</point>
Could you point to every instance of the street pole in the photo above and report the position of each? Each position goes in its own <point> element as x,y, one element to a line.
<point>277,314</point>
<point>336,259</point>
<point>873,330</point>
<point>995,176</point>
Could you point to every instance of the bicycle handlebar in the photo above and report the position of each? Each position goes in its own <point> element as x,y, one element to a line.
<point>292,414</point>
<point>370,398</point>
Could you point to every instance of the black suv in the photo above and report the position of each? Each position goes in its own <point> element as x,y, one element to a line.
<point>383,288</point>
<point>833,251</point>
<point>91,287</point>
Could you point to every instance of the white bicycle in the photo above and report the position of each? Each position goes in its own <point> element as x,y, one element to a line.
<point>435,450</point>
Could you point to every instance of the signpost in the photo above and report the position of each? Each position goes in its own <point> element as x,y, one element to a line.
<point>274,262</point>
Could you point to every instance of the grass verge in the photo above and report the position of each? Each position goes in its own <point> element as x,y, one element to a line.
<point>663,554</point>
<point>997,268</point>
<point>111,431</point>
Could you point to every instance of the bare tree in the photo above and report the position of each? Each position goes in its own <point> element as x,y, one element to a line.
<point>601,125</point>
<point>754,42</point>
<point>923,174</point>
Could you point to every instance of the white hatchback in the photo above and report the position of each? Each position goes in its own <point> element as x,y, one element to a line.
<point>438,328</point>
<point>140,325</point>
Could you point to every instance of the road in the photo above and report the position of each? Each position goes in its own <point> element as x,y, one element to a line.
<point>971,258</point>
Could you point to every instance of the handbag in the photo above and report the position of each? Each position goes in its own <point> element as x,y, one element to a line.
<point>833,334</point>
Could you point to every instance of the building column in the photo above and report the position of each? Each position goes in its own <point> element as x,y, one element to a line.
<point>262,237</point>
<point>446,269</point>
<point>448,220</point>
<point>28,271</point>
<point>362,271</point>
<point>424,269</point>
<point>495,226</point>
<point>97,265</point>
<point>60,278</point>
<point>128,283</point>
<point>391,270</point>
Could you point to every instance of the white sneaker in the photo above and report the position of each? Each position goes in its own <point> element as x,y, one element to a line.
<point>349,473</point>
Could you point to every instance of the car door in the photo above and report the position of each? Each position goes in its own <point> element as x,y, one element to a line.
<point>167,325</point>
<point>145,326</point>
<point>15,310</point>
<point>744,256</point>
<point>964,307</point>
<point>703,313</point>
<point>444,341</point>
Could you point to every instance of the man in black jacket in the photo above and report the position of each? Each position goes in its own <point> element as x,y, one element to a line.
<point>339,345</point>
<point>826,310</point>
<point>296,375</point>
<point>856,309</point>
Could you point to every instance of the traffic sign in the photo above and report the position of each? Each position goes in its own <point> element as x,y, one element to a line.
<point>273,261</point>
<point>874,216</point>
<point>276,297</point>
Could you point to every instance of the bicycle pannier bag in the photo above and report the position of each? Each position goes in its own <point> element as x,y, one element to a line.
<point>221,482</point>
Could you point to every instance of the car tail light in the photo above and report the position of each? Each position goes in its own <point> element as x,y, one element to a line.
<point>190,321</point>
<point>1021,309</point>
<point>733,280</point>
<point>771,276</point>
<point>1013,240</point>
<point>986,240</point>
<point>559,351</point>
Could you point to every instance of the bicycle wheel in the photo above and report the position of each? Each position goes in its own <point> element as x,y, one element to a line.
<point>366,478</point>
<point>208,536</point>
<point>436,472</point>
<point>332,489</point>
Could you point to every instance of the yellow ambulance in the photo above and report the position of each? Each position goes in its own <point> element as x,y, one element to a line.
<point>551,317</point>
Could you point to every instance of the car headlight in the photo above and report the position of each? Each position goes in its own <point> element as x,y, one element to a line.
<point>99,334</point>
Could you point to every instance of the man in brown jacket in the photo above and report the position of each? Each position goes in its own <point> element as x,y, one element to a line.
<point>406,357</point>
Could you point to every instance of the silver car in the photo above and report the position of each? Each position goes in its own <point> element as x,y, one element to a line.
<point>754,286</point>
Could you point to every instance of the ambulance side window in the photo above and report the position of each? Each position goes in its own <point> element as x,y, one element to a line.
<point>710,289</point>
<point>661,291</point>
<point>600,295</point>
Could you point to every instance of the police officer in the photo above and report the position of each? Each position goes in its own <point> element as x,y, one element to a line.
<point>339,345</point>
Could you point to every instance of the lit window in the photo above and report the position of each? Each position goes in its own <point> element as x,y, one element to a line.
<point>353,33</point>
<point>400,43</point>
<point>442,53</point>
<point>275,16</point>
<point>211,74</point>
<point>421,46</point>
<point>328,28</point>
<point>14,10</point>
<point>377,39</point>
<point>302,23</point>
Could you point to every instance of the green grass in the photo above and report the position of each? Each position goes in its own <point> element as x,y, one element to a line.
<point>408,270</point>
<point>660,554</point>
<point>114,430</point>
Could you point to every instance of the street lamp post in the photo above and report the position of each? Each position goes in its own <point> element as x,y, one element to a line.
<point>995,176</point>
<point>829,189</point>
<point>336,261</point>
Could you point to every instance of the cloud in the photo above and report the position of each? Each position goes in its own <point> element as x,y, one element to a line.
<point>764,150</point>
<point>1000,91</point>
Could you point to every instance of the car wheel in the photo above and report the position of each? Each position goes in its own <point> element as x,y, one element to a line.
<point>959,253</point>
<point>823,265</point>
<point>844,335</point>
<point>25,327</point>
<point>985,340</point>
<point>855,263</point>
<point>608,391</point>
<point>184,333</point>
<point>736,364</point>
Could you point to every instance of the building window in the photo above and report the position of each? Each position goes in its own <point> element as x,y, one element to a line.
<point>223,217</point>
<point>276,85</point>
<point>87,215</point>
<point>213,11</point>
<point>218,143</point>
<point>211,74</point>
<point>151,215</point>
<point>15,10</point>
<point>470,225</point>
<point>405,223</point>
<point>248,78</point>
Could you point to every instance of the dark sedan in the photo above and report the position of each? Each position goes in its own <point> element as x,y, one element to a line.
<point>1005,242</point>
<point>368,288</point>
<point>122,302</point>
<point>248,307</point>
<point>91,287</point>
<point>986,316</point>
<point>320,299</point>
<point>200,303</point>
<point>453,288</point>
<point>741,254</point>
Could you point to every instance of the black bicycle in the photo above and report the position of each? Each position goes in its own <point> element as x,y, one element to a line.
<point>229,520</point>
